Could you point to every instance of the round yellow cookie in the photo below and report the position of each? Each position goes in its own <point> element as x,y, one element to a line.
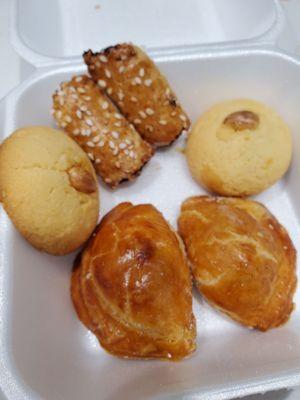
<point>239,148</point>
<point>48,188</point>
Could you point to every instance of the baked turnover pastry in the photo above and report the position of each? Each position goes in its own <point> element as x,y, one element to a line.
<point>90,118</point>
<point>49,189</point>
<point>131,79</point>
<point>131,286</point>
<point>242,259</point>
<point>239,148</point>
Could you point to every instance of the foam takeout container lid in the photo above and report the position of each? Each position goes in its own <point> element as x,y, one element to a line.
<point>210,50</point>
<point>46,32</point>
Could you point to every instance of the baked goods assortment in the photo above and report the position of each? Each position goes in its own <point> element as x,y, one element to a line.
<point>131,283</point>
<point>239,148</point>
<point>48,188</point>
<point>242,260</point>
<point>131,286</point>
<point>93,121</point>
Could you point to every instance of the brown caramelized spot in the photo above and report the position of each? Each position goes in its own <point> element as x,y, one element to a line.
<point>241,120</point>
<point>82,180</point>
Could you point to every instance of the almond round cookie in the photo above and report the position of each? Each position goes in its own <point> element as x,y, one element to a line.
<point>239,148</point>
<point>48,187</point>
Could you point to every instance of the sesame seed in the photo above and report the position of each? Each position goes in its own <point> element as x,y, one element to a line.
<point>168,91</point>
<point>122,145</point>
<point>182,117</point>
<point>85,132</point>
<point>126,152</point>
<point>101,143</point>
<point>142,114</point>
<point>115,135</point>
<point>58,114</point>
<point>96,139</point>
<point>104,105</point>
<point>89,122</point>
<point>78,79</point>
<point>118,124</point>
<point>81,90</point>
<point>128,141</point>
<point>142,72</point>
<point>97,161</point>
<point>108,180</point>
<point>137,121</point>
<point>173,113</point>
<point>115,152</point>
<point>148,82</point>
<point>102,83</point>
<point>111,144</point>
<point>117,164</point>
<point>121,69</point>
<point>74,96</point>
<point>87,98</point>
<point>76,132</point>
<point>107,73</point>
<point>118,116</point>
<point>121,95</point>
<point>103,58</point>
<point>149,111</point>
<point>162,122</point>
<point>63,124</point>
<point>79,114</point>
<point>109,90</point>
<point>91,156</point>
<point>61,101</point>
<point>68,118</point>
<point>90,144</point>
<point>138,80</point>
<point>133,99</point>
<point>88,275</point>
<point>104,130</point>
<point>83,108</point>
<point>132,154</point>
<point>149,128</point>
<point>88,112</point>
<point>72,89</point>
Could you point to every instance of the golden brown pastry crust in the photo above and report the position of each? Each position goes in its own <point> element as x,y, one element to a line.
<point>132,286</point>
<point>131,79</point>
<point>242,259</point>
<point>91,119</point>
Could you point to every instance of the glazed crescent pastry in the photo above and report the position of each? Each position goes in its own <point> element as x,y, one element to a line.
<point>242,259</point>
<point>131,286</point>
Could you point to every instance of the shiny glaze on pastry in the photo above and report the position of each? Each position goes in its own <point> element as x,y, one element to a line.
<point>131,286</point>
<point>242,259</point>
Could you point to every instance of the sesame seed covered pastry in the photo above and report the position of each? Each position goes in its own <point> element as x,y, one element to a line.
<point>91,119</point>
<point>131,79</point>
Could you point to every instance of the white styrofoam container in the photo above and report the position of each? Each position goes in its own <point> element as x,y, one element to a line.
<point>213,51</point>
